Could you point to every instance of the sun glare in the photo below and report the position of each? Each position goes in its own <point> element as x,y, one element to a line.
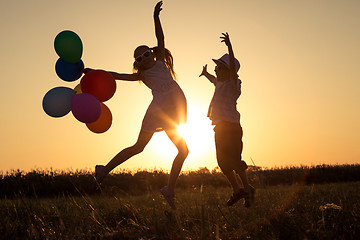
<point>197,132</point>
<point>198,135</point>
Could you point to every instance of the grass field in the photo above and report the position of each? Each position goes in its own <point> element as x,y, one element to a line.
<point>326,211</point>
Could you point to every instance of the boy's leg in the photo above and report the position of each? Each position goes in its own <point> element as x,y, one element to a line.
<point>241,168</point>
<point>225,156</point>
<point>244,179</point>
<point>238,193</point>
<point>231,177</point>
<point>248,189</point>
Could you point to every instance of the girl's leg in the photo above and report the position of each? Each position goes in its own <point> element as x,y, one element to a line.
<point>180,144</point>
<point>125,154</point>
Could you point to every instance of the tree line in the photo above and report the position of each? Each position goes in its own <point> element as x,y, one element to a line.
<point>49,183</point>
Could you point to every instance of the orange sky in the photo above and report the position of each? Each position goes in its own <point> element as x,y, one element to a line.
<point>300,73</point>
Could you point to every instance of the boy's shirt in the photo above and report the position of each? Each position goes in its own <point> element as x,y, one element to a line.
<point>223,104</point>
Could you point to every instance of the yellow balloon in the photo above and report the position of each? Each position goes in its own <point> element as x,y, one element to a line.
<point>77,89</point>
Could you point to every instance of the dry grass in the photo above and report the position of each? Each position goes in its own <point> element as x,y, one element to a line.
<point>329,211</point>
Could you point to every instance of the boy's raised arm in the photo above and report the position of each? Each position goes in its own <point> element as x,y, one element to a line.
<point>226,39</point>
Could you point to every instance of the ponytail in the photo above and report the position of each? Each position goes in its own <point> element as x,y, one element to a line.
<point>168,59</point>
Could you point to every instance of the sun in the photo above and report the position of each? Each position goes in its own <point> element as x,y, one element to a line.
<point>197,132</point>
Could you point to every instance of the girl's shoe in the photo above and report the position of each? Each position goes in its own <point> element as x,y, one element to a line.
<point>169,196</point>
<point>236,197</point>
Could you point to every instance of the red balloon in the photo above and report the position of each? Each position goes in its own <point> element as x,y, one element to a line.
<point>99,83</point>
<point>85,107</point>
<point>103,123</point>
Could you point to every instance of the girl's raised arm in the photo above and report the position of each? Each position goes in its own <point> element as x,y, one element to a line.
<point>159,32</point>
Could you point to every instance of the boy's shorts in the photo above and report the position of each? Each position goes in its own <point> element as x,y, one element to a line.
<point>229,146</point>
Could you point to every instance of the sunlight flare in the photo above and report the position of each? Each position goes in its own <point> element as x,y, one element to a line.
<point>198,134</point>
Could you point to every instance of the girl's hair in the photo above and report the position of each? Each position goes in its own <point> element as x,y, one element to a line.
<point>168,59</point>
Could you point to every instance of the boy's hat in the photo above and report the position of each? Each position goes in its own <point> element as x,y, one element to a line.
<point>225,60</point>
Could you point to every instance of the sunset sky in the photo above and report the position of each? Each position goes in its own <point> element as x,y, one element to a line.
<point>300,68</point>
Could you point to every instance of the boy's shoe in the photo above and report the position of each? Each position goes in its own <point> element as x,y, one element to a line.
<point>249,197</point>
<point>100,173</point>
<point>169,196</point>
<point>236,197</point>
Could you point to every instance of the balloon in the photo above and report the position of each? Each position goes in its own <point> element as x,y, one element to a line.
<point>85,107</point>
<point>99,83</point>
<point>68,46</point>
<point>69,71</point>
<point>103,123</point>
<point>77,89</point>
<point>57,101</point>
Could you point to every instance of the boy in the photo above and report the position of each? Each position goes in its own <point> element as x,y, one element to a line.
<point>228,131</point>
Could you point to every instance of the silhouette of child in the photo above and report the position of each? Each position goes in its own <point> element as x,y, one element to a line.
<point>228,131</point>
<point>168,109</point>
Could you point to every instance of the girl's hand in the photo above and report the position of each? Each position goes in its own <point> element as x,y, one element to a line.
<point>204,71</point>
<point>158,8</point>
<point>86,70</point>
<point>226,39</point>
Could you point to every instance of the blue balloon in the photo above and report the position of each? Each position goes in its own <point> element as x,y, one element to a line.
<point>69,72</point>
<point>57,101</point>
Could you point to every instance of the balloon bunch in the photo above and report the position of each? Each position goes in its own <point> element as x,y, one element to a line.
<point>85,101</point>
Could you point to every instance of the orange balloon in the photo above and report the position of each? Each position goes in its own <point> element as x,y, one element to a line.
<point>103,123</point>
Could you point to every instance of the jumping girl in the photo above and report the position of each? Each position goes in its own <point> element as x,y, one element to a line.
<point>168,109</point>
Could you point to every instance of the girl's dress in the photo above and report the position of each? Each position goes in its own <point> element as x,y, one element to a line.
<point>168,109</point>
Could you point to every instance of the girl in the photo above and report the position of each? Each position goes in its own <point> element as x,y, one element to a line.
<point>226,118</point>
<point>154,67</point>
